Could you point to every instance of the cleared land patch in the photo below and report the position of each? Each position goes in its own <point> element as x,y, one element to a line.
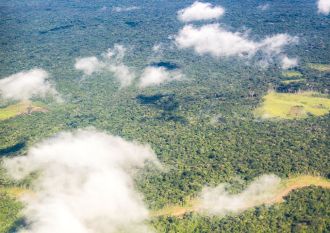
<point>293,105</point>
<point>286,186</point>
<point>319,67</point>
<point>15,192</point>
<point>20,108</point>
<point>291,74</point>
<point>293,81</point>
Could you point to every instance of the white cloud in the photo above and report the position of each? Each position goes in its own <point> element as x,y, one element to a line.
<point>153,76</point>
<point>111,61</point>
<point>26,85</point>
<point>125,9</point>
<point>263,7</point>
<point>114,63</point>
<point>118,53</point>
<point>104,8</point>
<point>273,45</point>
<point>200,11</point>
<point>323,6</point>
<point>157,48</point>
<point>123,74</point>
<point>214,40</point>
<point>85,184</point>
<point>88,65</point>
<point>217,201</point>
<point>288,63</point>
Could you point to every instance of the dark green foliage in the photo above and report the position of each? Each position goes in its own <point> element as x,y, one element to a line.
<point>9,213</point>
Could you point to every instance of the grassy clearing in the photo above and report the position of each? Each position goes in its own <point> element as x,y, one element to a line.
<point>20,108</point>
<point>319,67</point>
<point>176,210</point>
<point>293,105</point>
<point>14,192</point>
<point>286,186</point>
<point>293,81</point>
<point>291,74</point>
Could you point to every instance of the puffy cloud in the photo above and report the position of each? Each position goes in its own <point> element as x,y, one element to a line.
<point>88,65</point>
<point>323,6</point>
<point>214,40</point>
<point>125,9</point>
<point>111,61</point>
<point>85,184</point>
<point>288,63</point>
<point>200,11</point>
<point>123,74</point>
<point>153,76</point>
<point>26,84</point>
<point>217,201</point>
<point>263,7</point>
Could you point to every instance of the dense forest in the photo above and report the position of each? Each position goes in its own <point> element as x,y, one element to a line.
<point>203,129</point>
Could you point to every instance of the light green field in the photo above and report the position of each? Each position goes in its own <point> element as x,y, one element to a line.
<point>291,74</point>
<point>15,192</point>
<point>18,109</point>
<point>293,105</point>
<point>319,67</point>
<point>293,81</point>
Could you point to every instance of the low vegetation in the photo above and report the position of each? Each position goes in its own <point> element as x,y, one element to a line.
<point>319,67</point>
<point>291,74</point>
<point>24,107</point>
<point>293,105</point>
<point>289,81</point>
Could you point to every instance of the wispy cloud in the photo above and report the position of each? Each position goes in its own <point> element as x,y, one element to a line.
<point>111,61</point>
<point>114,63</point>
<point>323,6</point>
<point>200,11</point>
<point>264,7</point>
<point>218,201</point>
<point>26,85</point>
<point>125,9</point>
<point>85,184</point>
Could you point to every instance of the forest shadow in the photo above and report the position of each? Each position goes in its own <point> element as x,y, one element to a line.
<point>165,102</point>
<point>166,65</point>
<point>12,149</point>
